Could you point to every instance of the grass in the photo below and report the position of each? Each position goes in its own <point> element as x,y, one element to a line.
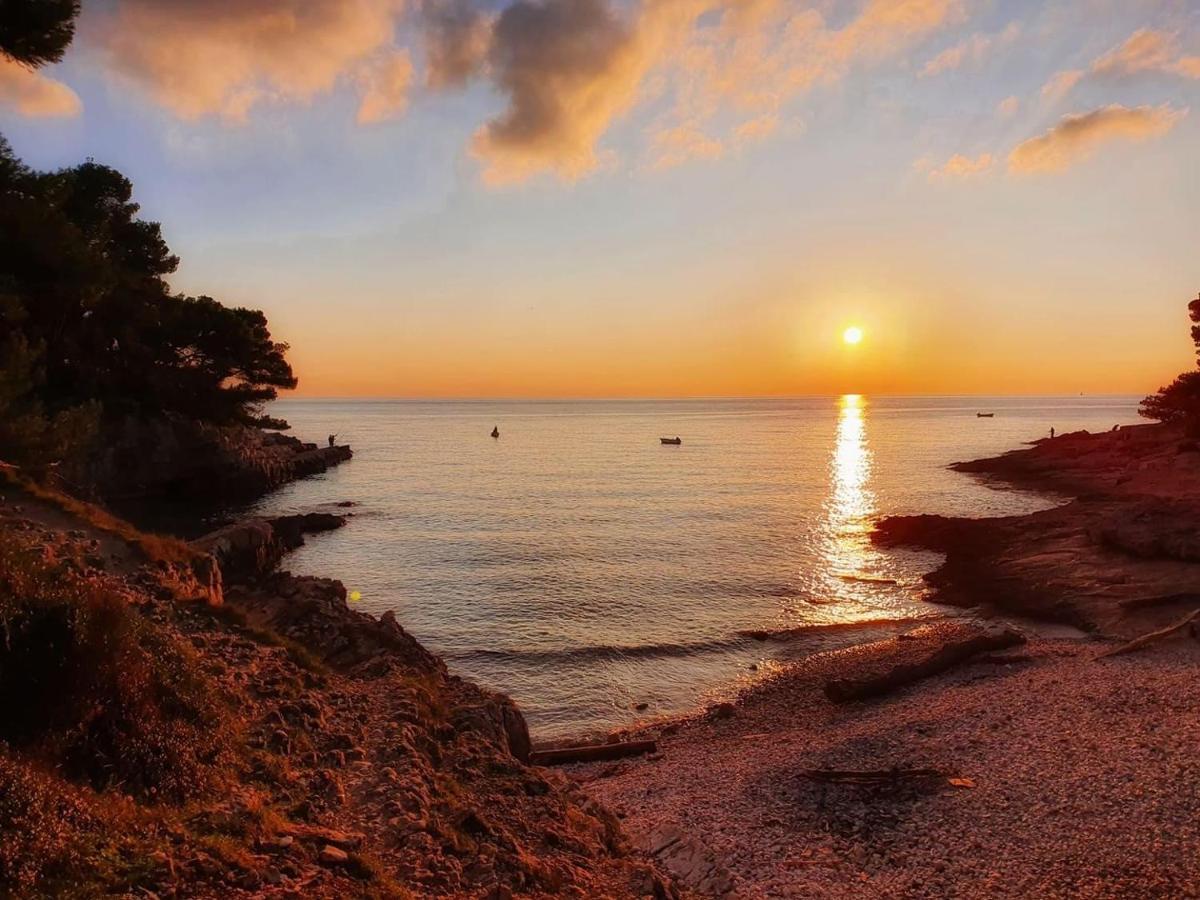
<point>154,547</point>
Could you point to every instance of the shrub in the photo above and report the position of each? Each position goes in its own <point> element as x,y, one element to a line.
<point>90,685</point>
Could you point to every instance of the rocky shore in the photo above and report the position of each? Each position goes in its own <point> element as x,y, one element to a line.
<point>178,460</point>
<point>186,720</point>
<point>946,763</point>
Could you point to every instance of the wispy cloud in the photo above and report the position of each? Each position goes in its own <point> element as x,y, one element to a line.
<point>974,49</point>
<point>1077,137</point>
<point>1061,84</point>
<point>1147,50</point>
<point>34,94</point>
<point>1009,106</point>
<point>958,167</point>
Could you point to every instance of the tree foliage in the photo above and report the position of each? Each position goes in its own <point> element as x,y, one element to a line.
<point>36,32</point>
<point>1179,401</point>
<point>88,320</point>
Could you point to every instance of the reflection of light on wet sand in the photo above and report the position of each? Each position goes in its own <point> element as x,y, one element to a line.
<point>850,507</point>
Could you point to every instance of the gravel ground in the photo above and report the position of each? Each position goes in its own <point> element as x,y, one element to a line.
<point>1086,774</point>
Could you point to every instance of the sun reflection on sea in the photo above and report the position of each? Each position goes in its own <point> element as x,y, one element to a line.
<point>852,565</point>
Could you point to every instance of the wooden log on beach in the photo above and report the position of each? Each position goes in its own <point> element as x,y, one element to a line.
<point>591,753</point>
<point>928,651</point>
<point>1159,600</point>
<point>1139,642</point>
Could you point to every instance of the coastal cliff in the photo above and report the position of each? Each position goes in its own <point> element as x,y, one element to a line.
<point>186,720</point>
<point>180,459</point>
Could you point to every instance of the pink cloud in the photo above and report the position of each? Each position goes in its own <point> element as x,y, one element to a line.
<point>35,95</point>
<point>1077,137</point>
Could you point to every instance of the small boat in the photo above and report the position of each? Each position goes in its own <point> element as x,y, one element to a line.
<point>985,415</point>
<point>674,440</point>
<point>495,431</point>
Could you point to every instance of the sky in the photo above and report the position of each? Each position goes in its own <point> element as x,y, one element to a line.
<point>549,198</point>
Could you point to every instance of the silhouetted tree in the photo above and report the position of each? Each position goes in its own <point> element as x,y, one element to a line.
<point>1180,400</point>
<point>36,32</point>
<point>88,322</point>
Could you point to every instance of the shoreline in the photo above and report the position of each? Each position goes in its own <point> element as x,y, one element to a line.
<point>998,761</point>
<point>1043,733</point>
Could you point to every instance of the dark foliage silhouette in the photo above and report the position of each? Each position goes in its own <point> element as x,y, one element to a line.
<point>36,32</point>
<point>1179,401</point>
<point>91,328</point>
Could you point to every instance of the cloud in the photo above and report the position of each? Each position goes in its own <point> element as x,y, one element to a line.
<point>1061,84</point>
<point>674,146</point>
<point>565,70</point>
<point>1009,106</point>
<point>756,129</point>
<point>455,36</point>
<point>751,57</point>
<point>959,167</point>
<point>1076,137</point>
<point>1147,50</point>
<point>223,57</point>
<point>385,88</point>
<point>34,94</point>
<point>568,68</point>
<point>974,49</point>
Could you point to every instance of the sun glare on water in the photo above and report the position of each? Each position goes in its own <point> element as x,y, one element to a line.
<point>852,335</point>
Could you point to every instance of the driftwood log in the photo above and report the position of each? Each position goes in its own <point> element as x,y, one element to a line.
<point>1139,642</point>
<point>1160,600</point>
<point>592,753</point>
<point>927,652</point>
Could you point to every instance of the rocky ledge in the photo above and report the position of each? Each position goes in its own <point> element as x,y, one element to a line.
<point>1119,557</point>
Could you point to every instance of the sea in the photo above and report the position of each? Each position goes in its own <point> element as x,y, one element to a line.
<point>604,579</point>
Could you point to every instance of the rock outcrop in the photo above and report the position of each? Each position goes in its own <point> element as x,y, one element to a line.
<point>251,548</point>
<point>1119,559</point>
<point>176,458</point>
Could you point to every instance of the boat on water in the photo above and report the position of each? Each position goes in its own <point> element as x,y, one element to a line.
<point>985,415</point>
<point>674,440</point>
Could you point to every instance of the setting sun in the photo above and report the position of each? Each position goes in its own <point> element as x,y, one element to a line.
<point>852,335</point>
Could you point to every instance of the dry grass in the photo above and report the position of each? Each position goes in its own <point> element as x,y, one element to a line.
<point>154,547</point>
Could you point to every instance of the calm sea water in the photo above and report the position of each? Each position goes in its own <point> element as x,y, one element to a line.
<point>586,569</point>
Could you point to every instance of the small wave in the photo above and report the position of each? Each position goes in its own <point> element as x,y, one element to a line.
<point>593,652</point>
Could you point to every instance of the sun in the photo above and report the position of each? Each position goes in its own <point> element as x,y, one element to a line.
<point>852,335</point>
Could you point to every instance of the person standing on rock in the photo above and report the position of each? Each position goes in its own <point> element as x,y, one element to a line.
<point>1051,433</point>
<point>332,438</point>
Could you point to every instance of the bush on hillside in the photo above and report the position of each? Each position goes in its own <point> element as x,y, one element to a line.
<point>100,692</point>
